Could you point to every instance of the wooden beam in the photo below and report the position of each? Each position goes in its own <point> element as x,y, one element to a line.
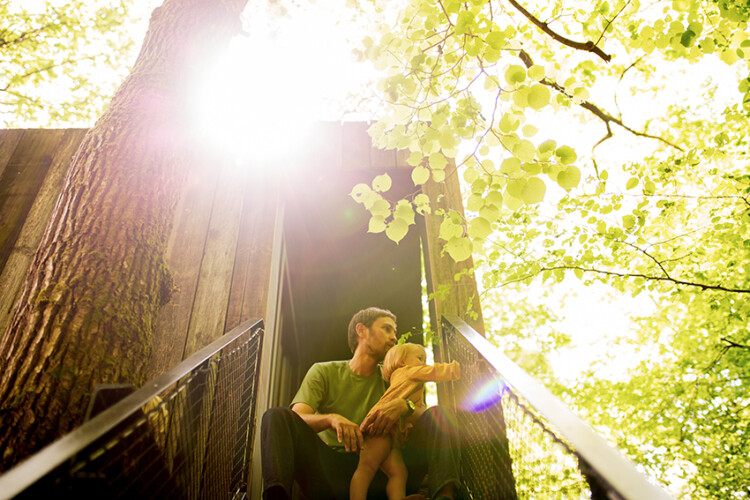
<point>215,277</point>
<point>459,297</point>
<point>248,297</point>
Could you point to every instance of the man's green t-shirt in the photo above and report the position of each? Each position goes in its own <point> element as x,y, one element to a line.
<point>332,387</point>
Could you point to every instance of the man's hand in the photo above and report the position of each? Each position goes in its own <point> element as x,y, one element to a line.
<point>381,421</point>
<point>347,432</point>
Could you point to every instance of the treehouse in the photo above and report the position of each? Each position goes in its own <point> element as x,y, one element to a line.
<point>270,258</point>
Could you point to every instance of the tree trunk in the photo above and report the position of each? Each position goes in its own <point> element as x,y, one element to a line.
<point>88,307</point>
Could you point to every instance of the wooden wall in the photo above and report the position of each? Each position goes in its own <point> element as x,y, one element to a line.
<point>221,247</point>
<point>219,251</point>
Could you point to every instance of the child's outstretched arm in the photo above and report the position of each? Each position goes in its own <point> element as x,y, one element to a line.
<point>438,372</point>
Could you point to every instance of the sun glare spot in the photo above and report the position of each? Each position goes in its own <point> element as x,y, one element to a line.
<point>484,396</point>
<point>261,98</point>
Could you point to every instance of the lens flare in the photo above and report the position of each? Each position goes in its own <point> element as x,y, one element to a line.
<point>485,396</point>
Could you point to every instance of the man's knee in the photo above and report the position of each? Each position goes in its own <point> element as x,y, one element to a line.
<point>277,413</point>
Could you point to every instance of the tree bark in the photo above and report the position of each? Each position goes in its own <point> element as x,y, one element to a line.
<point>88,307</point>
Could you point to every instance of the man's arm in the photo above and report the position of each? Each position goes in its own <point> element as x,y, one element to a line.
<point>347,431</point>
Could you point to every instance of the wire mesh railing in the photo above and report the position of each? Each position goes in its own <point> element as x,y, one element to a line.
<point>187,434</point>
<point>521,442</point>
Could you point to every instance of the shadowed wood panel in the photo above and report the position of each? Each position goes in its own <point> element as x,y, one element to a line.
<point>22,253</point>
<point>183,258</point>
<point>382,159</point>
<point>248,297</point>
<point>355,146</point>
<point>461,297</point>
<point>8,141</point>
<point>20,183</point>
<point>215,277</point>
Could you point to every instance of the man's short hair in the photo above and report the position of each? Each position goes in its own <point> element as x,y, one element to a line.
<point>367,317</point>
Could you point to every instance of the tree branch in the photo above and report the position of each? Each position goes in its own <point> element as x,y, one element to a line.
<point>587,46</point>
<point>702,286</point>
<point>731,343</point>
<point>592,108</point>
<point>609,23</point>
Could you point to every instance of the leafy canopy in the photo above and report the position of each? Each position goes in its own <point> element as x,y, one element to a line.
<point>63,60</point>
<point>606,143</point>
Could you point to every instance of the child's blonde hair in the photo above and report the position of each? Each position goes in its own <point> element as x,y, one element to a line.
<point>395,357</point>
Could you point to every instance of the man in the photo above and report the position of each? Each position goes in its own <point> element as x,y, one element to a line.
<point>332,401</point>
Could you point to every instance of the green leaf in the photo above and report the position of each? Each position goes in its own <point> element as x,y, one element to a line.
<point>359,192</point>
<point>566,155</point>
<point>459,248</point>
<point>396,230</point>
<point>479,227</point>
<point>524,150</point>
<point>536,72</point>
<point>449,229</point>
<point>515,74</point>
<point>632,182</point>
<point>533,191</point>
<point>538,97</point>
<point>508,123</point>
<point>404,211</point>
<point>382,183</point>
<point>474,202</point>
<point>464,22</point>
<point>569,177</point>
<point>546,149</point>
<point>496,40</point>
<point>490,211</point>
<point>512,202</point>
<point>380,207</point>
<point>420,175</point>
<point>422,202</point>
<point>515,188</point>
<point>377,224</point>
<point>510,166</point>
<point>437,161</point>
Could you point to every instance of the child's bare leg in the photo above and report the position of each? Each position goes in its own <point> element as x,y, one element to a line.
<point>372,455</point>
<point>395,469</point>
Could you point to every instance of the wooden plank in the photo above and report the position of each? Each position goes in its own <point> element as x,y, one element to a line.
<point>462,297</point>
<point>20,183</point>
<point>355,146</point>
<point>21,255</point>
<point>248,297</point>
<point>8,142</point>
<point>183,258</point>
<point>215,277</point>
<point>382,159</point>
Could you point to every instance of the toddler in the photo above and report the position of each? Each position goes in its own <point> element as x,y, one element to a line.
<point>404,367</point>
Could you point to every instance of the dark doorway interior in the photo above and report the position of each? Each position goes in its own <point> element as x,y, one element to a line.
<point>335,267</point>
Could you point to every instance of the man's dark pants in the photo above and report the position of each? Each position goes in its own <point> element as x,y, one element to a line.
<point>291,450</point>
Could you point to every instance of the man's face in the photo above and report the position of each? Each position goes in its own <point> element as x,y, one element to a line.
<point>380,337</point>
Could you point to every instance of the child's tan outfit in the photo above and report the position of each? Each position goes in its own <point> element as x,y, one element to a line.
<point>408,382</point>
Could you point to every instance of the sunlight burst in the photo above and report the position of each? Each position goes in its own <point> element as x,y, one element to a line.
<point>263,95</point>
